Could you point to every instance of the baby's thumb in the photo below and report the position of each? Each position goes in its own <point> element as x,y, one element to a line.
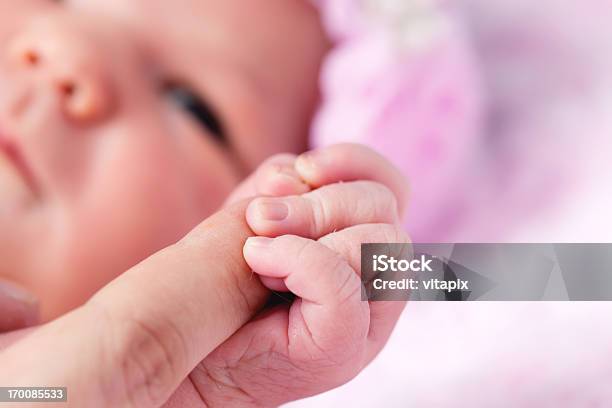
<point>141,335</point>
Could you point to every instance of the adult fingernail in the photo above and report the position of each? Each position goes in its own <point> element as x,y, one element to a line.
<point>273,210</point>
<point>12,291</point>
<point>258,242</point>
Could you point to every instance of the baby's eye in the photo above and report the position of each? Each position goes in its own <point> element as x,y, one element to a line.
<point>191,103</point>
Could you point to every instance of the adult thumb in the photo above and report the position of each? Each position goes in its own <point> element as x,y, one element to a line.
<point>135,341</point>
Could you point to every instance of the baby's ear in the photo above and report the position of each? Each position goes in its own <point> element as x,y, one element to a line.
<point>276,177</point>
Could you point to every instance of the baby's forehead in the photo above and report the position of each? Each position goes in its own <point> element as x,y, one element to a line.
<point>182,29</point>
<point>182,34</point>
<point>160,16</point>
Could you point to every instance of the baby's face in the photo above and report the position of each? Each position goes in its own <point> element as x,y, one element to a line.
<point>123,123</point>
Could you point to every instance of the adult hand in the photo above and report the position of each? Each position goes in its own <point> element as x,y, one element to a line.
<point>136,341</point>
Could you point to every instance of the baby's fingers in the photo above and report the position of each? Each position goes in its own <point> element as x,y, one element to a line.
<point>275,177</point>
<point>322,211</point>
<point>349,162</point>
<point>329,314</point>
<point>347,243</point>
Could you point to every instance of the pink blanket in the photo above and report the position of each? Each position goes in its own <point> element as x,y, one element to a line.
<point>403,80</point>
<point>496,111</point>
<point>500,114</point>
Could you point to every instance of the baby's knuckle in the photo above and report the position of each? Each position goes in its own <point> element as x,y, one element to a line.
<point>387,193</point>
<point>320,212</point>
<point>387,198</point>
<point>392,233</point>
<point>378,194</point>
<point>349,288</point>
<point>372,187</point>
<point>306,250</point>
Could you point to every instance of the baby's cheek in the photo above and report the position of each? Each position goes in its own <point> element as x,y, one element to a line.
<point>85,260</point>
<point>114,229</point>
<point>138,195</point>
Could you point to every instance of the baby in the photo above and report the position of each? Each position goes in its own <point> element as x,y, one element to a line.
<point>123,124</point>
<point>133,120</point>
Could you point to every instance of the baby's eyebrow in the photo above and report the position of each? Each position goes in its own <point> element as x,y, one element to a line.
<point>248,86</point>
<point>251,80</point>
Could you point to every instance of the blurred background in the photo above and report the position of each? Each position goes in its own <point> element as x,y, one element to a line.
<point>528,159</point>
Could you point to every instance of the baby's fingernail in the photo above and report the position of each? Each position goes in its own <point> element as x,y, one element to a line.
<point>310,163</point>
<point>258,242</point>
<point>14,292</point>
<point>272,210</point>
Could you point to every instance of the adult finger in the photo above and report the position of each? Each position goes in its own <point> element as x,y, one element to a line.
<point>140,336</point>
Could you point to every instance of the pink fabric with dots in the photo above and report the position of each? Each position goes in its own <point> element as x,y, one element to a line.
<point>506,135</point>
<point>420,108</point>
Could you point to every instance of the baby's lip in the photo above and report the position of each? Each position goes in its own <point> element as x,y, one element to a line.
<point>10,150</point>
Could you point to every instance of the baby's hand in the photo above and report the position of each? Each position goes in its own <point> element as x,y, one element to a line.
<point>309,244</point>
<point>288,174</point>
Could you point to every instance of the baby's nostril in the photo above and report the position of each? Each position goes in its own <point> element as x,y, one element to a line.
<point>31,58</point>
<point>67,88</point>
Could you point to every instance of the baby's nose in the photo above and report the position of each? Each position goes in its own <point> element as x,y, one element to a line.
<point>68,63</point>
